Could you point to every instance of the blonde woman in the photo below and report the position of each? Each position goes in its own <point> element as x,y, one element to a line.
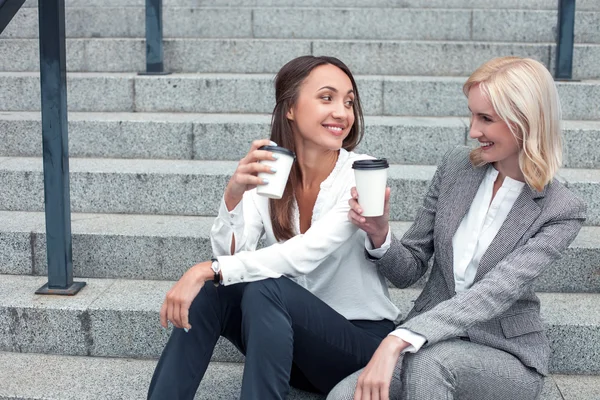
<point>493,219</point>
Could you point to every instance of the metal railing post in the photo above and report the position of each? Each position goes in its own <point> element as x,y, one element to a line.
<point>154,39</point>
<point>564,40</point>
<point>53,81</point>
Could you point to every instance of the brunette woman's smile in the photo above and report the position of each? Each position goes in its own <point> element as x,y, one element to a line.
<point>335,129</point>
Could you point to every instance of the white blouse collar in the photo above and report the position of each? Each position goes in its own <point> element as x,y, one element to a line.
<point>509,183</point>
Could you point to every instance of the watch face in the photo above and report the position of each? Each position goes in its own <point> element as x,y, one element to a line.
<point>215,266</point>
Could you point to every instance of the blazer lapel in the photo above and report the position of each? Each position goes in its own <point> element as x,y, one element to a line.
<point>522,215</point>
<point>462,195</point>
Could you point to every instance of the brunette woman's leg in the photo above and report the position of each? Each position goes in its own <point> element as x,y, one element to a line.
<point>284,325</point>
<point>215,312</point>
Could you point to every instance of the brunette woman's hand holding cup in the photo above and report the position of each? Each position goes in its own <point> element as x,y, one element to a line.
<point>376,227</point>
<point>245,176</point>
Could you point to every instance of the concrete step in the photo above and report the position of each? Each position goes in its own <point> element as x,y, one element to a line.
<point>163,247</point>
<point>94,378</point>
<point>405,140</point>
<point>97,378</point>
<point>318,23</point>
<point>119,318</point>
<point>402,140</point>
<point>476,4</point>
<point>248,55</point>
<point>253,93</point>
<point>184,187</point>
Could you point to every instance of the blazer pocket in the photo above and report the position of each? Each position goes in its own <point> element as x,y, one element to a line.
<point>521,324</point>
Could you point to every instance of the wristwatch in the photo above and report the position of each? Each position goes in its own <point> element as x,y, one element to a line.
<point>216,270</point>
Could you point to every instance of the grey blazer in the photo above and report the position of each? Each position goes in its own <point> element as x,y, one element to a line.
<point>501,309</point>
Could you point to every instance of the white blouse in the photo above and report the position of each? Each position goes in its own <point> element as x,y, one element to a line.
<point>471,240</point>
<point>327,259</point>
<point>480,226</point>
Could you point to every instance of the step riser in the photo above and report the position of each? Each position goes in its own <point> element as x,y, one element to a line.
<point>513,4</point>
<point>160,258</point>
<point>163,247</point>
<point>107,327</point>
<point>406,142</point>
<point>323,23</point>
<point>101,378</point>
<point>403,96</point>
<point>199,141</point>
<point>126,139</point>
<point>247,56</point>
<point>182,193</point>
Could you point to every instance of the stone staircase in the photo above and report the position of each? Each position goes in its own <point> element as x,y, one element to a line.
<point>150,156</point>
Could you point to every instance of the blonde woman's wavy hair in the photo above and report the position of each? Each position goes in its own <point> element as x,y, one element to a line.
<point>523,94</point>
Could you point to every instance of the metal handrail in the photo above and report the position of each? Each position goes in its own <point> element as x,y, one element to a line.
<point>564,40</point>
<point>55,133</point>
<point>154,39</point>
<point>8,9</point>
<point>57,200</point>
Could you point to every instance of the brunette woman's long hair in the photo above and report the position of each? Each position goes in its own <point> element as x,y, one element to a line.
<point>287,87</point>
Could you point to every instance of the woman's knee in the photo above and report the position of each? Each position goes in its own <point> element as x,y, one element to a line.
<point>216,300</point>
<point>429,370</point>
<point>258,295</point>
<point>438,357</point>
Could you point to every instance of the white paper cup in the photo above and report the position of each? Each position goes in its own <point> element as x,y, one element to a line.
<point>274,189</point>
<point>371,181</point>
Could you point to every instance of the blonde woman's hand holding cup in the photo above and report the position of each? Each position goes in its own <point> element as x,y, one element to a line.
<point>245,176</point>
<point>376,227</point>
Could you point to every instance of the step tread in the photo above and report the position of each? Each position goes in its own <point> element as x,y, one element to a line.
<point>194,5</point>
<point>444,42</point>
<point>148,225</point>
<point>131,295</point>
<point>164,246</point>
<point>25,375</point>
<point>261,118</point>
<point>407,4</point>
<point>243,118</point>
<point>119,318</point>
<point>218,167</point>
<point>194,187</point>
<point>261,76</point>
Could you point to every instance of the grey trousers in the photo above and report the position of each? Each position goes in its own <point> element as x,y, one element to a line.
<point>455,369</point>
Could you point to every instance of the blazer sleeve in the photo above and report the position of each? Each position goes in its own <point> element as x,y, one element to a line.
<point>408,259</point>
<point>504,284</point>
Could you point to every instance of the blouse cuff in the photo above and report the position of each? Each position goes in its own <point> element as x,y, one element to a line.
<point>232,270</point>
<point>416,341</point>
<point>233,218</point>
<point>376,254</point>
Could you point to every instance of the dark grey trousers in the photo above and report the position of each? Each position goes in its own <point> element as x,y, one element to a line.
<point>288,335</point>
<point>455,370</point>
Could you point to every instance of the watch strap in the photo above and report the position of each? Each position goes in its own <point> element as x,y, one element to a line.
<point>217,275</point>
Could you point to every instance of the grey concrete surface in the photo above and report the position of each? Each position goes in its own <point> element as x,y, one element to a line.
<point>164,247</point>
<point>120,318</point>
<point>195,187</point>
<point>532,4</point>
